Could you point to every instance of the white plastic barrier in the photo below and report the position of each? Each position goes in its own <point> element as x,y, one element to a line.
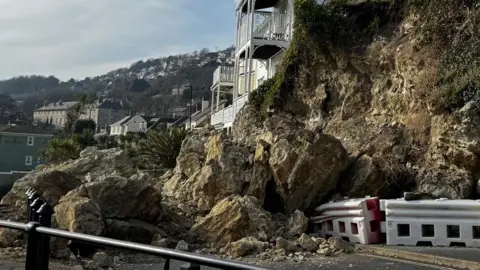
<point>355,220</point>
<point>438,222</point>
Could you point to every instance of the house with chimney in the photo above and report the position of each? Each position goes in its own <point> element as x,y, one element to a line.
<point>54,113</point>
<point>106,112</point>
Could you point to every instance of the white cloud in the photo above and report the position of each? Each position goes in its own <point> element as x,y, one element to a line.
<point>78,38</point>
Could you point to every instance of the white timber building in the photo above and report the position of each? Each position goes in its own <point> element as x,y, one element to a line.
<point>264,33</point>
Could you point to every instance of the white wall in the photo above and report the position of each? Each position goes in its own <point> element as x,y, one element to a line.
<point>134,125</point>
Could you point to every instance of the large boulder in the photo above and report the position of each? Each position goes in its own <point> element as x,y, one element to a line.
<point>77,213</point>
<point>232,219</point>
<point>123,198</point>
<point>94,164</point>
<point>132,230</point>
<point>50,184</point>
<point>221,174</point>
<point>306,166</point>
<point>54,181</point>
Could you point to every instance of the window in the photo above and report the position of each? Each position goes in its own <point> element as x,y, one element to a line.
<point>30,140</point>
<point>403,230</point>
<point>428,230</point>
<point>28,160</point>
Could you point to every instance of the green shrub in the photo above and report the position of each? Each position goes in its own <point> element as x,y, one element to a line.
<point>459,74</point>
<point>160,149</point>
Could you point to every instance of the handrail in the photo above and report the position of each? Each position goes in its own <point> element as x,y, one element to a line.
<point>39,233</point>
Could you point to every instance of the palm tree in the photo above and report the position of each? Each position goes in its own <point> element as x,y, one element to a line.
<point>72,118</point>
<point>59,150</point>
<point>162,148</point>
<point>86,138</point>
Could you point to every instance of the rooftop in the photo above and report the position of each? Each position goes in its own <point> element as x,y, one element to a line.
<point>57,106</point>
<point>106,104</point>
<point>25,129</point>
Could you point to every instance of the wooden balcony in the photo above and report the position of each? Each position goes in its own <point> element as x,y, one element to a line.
<point>223,75</point>
<point>270,30</point>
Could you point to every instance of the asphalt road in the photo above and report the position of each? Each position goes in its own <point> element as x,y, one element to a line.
<point>356,261</point>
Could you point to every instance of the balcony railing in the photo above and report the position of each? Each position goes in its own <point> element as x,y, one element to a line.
<point>223,74</point>
<point>267,26</point>
<point>227,115</point>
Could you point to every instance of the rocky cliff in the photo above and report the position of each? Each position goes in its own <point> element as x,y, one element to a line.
<point>373,98</point>
<point>395,82</point>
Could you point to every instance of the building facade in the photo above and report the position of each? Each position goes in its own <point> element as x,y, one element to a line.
<point>21,147</point>
<point>264,33</point>
<point>103,113</point>
<point>54,113</point>
<point>129,124</point>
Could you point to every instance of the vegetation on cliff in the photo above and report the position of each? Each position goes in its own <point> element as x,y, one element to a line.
<point>342,28</point>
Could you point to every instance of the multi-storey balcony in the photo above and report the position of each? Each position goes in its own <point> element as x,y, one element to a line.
<point>223,75</point>
<point>271,32</point>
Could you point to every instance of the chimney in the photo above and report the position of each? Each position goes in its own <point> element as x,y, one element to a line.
<point>54,104</point>
<point>60,103</point>
<point>205,104</point>
<point>44,103</point>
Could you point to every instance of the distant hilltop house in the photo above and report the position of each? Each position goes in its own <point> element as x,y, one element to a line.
<point>179,90</point>
<point>102,112</point>
<point>21,149</point>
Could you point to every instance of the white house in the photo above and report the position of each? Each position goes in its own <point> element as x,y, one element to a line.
<point>264,33</point>
<point>129,124</point>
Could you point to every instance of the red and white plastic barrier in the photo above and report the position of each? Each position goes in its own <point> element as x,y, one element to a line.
<point>355,220</point>
<point>438,222</point>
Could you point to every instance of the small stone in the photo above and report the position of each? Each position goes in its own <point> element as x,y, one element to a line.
<point>297,223</point>
<point>77,267</point>
<point>182,246</point>
<point>101,259</point>
<point>9,250</point>
<point>164,243</point>
<point>307,243</point>
<point>18,243</point>
<point>286,245</point>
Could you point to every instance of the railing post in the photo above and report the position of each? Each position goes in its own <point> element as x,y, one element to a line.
<point>34,206</point>
<point>45,219</point>
<point>166,266</point>
<point>31,261</point>
<point>33,196</point>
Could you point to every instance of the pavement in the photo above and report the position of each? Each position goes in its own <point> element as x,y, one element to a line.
<point>370,257</point>
<point>12,266</point>
<point>355,261</point>
<point>457,257</point>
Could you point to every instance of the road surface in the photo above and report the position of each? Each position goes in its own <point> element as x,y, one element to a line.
<point>356,261</point>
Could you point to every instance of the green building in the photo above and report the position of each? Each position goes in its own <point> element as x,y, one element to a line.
<point>20,152</point>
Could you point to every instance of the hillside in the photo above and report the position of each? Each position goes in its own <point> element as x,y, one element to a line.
<point>137,83</point>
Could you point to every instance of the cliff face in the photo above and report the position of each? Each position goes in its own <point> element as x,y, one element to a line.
<point>396,82</point>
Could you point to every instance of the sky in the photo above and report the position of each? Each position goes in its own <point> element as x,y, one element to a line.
<point>86,38</point>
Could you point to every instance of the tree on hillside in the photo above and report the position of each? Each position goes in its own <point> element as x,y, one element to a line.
<point>7,103</point>
<point>84,124</point>
<point>73,116</point>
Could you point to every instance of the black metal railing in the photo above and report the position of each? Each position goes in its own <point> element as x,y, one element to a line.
<point>39,232</point>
